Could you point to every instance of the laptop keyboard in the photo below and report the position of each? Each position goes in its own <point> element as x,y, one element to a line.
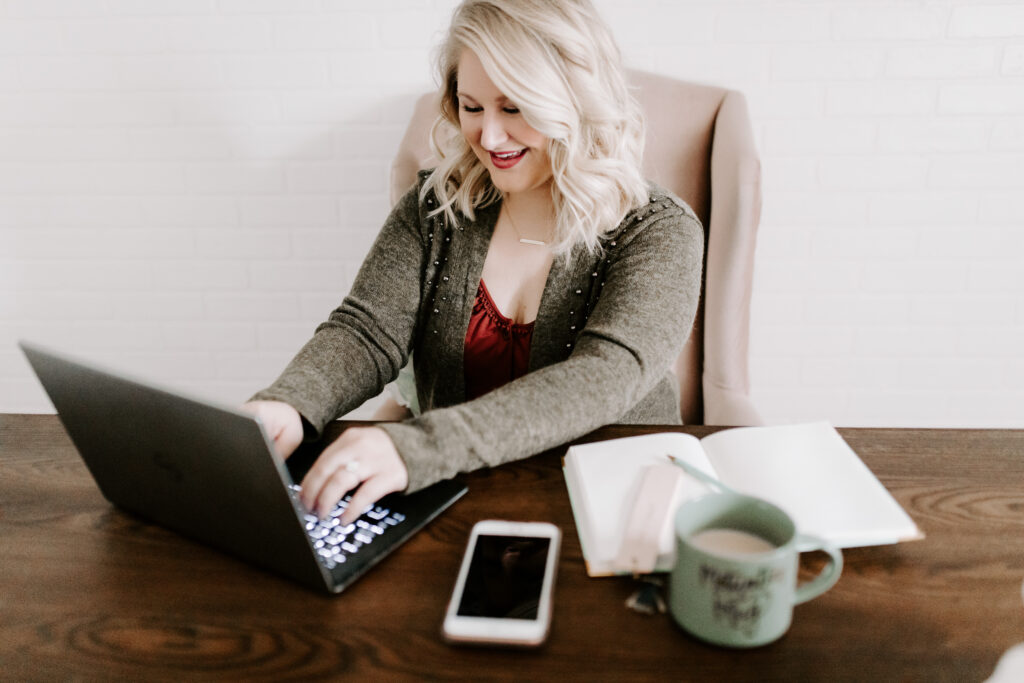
<point>335,544</point>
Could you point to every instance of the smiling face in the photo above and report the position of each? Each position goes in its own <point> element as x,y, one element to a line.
<point>514,153</point>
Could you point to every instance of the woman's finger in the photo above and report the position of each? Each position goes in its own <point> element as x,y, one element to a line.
<point>341,454</point>
<point>360,455</point>
<point>340,482</point>
<point>371,490</point>
<point>281,422</point>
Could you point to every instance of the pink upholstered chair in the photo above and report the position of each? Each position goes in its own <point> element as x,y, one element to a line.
<point>700,146</point>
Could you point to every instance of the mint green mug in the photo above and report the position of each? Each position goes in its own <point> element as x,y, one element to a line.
<point>734,582</point>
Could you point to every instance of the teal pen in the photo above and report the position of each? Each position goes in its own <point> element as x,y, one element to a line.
<point>699,474</point>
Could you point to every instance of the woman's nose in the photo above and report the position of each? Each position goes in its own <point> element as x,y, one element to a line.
<point>493,132</point>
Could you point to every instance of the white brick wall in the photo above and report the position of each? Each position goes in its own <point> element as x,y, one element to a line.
<point>188,186</point>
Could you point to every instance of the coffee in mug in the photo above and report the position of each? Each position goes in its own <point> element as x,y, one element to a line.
<point>730,542</point>
<point>734,582</point>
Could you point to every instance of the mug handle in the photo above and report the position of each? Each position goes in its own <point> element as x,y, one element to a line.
<point>828,576</point>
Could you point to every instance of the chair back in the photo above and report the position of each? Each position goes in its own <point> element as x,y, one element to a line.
<point>700,146</point>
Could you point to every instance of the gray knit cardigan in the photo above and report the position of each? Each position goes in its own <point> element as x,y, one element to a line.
<point>608,329</point>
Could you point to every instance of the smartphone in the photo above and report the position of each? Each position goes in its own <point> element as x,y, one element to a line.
<point>503,591</point>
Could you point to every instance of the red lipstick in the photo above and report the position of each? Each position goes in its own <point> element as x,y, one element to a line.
<point>506,161</point>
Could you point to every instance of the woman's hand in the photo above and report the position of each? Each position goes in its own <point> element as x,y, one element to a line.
<point>281,422</point>
<point>361,456</point>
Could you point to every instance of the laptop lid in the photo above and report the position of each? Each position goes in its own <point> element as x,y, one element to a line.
<point>206,471</point>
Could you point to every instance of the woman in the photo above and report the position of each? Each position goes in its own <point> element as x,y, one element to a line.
<point>543,287</point>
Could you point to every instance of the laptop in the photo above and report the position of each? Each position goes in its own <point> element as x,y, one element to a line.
<point>210,473</point>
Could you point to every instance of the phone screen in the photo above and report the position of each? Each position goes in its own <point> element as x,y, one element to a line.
<point>505,577</point>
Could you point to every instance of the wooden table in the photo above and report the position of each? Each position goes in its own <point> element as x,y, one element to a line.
<point>90,593</point>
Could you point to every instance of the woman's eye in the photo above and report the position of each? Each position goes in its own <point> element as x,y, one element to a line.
<point>471,110</point>
<point>511,110</point>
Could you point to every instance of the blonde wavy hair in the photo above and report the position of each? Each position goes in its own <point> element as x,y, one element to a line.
<point>557,61</point>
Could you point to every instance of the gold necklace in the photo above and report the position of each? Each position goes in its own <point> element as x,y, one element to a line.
<point>522,240</point>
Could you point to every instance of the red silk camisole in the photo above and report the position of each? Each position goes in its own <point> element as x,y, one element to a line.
<point>497,350</point>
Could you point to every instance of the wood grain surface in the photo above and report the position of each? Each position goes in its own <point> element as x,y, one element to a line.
<point>88,592</point>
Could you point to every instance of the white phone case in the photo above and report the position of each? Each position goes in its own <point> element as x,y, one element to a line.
<point>504,630</point>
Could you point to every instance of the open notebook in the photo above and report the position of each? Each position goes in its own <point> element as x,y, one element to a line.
<point>808,470</point>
